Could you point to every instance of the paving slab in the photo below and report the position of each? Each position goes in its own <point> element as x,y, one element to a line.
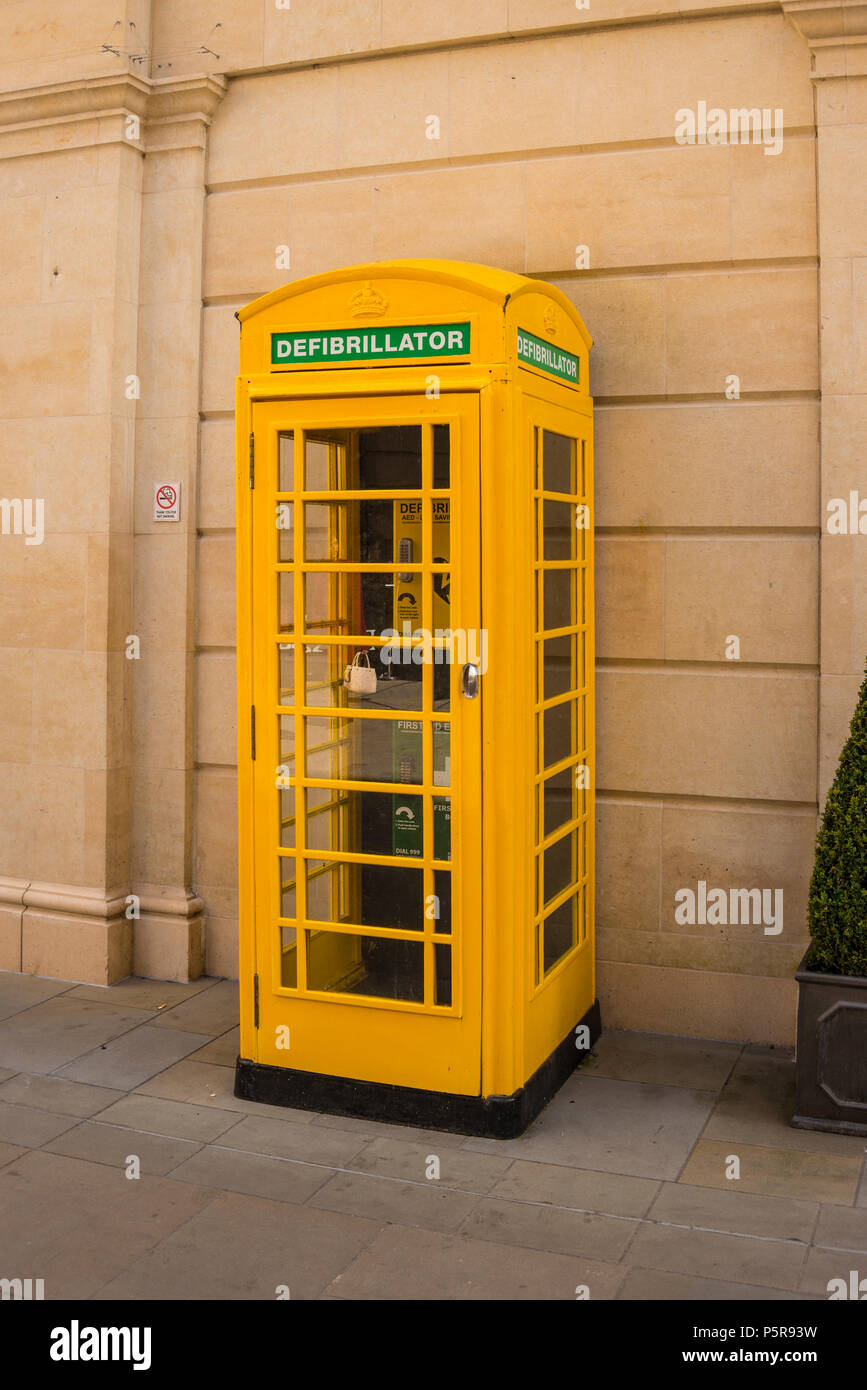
<point>272,1245</point>
<point>408,1264</point>
<point>550,1228</point>
<point>53,1093</point>
<point>861,1199</point>
<point>580,1188</point>
<point>169,1117</point>
<point>6,1073</point>
<point>256,1174</point>
<point>8,1152</point>
<point>842,1228</point>
<point>757,1103</point>
<point>700,1064</point>
<point>612,1126</point>
<point>133,1058</point>
<point>403,1203</point>
<point>775,1172</point>
<point>135,993</point>
<point>21,1124</point>
<point>204,1083</point>
<point>212,1011</point>
<point>107,1144</point>
<point>260,1134</point>
<point>662,1285</point>
<point>19,992</point>
<point>821,1266</point>
<point>45,1037</point>
<point>375,1129</point>
<point>780,1218</point>
<point>739,1259</point>
<point>77,1224</point>
<point>401,1158</point>
<point>223,1050</point>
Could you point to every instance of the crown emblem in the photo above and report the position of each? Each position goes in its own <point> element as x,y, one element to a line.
<point>367,302</point>
<point>550,320</point>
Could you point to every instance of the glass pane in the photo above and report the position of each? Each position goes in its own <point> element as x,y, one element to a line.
<point>370,895</point>
<point>374,602</point>
<point>443,968</point>
<point>441,456</point>
<point>287,817</point>
<point>557,733</point>
<point>390,458</point>
<point>352,531</point>
<point>284,516</point>
<point>557,800</point>
<point>285,601</point>
<point>330,891</point>
<point>442,904</point>
<point>367,965</point>
<point>559,532</point>
<point>398,687</point>
<point>559,598</point>
<point>326,456</point>
<point>558,656</point>
<point>288,958</point>
<point>286,673</point>
<point>558,463</point>
<point>288,898</point>
<point>559,929</point>
<point>286,463</point>
<point>558,867</point>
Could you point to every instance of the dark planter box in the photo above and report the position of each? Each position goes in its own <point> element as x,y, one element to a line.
<point>831,1062</point>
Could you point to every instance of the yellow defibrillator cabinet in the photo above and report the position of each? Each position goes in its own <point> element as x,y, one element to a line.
<point>415,695</point>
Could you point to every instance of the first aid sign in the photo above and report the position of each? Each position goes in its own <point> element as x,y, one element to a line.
<point>167,501</point>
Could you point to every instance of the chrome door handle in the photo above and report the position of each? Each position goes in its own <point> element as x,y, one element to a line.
<point>470,680</point>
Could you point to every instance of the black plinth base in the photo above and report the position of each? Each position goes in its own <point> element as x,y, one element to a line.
<point>498,1117</point>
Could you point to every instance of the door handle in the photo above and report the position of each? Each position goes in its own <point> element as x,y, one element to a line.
<point>470,680</point>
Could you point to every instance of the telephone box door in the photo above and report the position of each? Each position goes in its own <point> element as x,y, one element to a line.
<point>366,775</point>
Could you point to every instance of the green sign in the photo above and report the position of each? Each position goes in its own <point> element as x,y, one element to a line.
<point>366,344</point>
<point>407,809</point>
<point>535,352</point>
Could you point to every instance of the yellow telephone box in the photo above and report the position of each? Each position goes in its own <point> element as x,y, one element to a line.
<point>415,695</point>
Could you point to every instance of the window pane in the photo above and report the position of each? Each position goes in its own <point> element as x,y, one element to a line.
<point>559,598</point>
<point>367,965</point>
<point>286,463</point>
<point>558,869</point>
<point>558,655</point>
<point>443,967</point>
<point>557,800</point>
<point>558,929</point>
<point>441,456</point>
<point>558,462</point>
<point>370,895</point>
<point>557,733</point>
<point>285,601</point>
<point>442,906</point>
<point>559,532</point>
<point>288,958</point>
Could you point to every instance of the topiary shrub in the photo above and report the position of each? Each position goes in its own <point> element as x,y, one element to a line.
<point>837,908</point>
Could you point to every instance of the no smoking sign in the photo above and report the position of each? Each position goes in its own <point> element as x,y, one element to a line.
<point>167,502</point>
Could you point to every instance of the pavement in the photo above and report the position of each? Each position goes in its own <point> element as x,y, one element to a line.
<point>665,1168</point>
